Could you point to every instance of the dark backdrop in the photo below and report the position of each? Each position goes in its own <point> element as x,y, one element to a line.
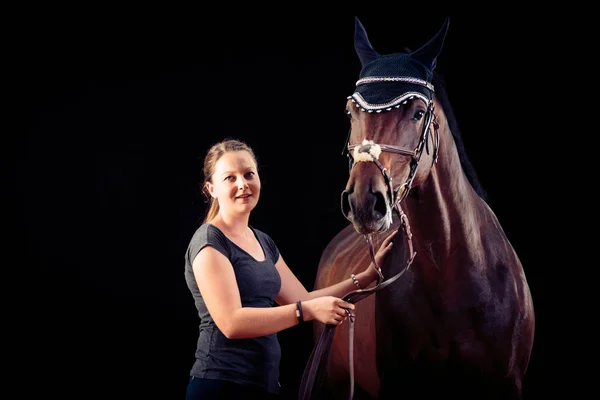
<point>116,112</point>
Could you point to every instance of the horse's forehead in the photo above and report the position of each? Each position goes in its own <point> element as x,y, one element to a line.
<point>367,104</point>
<point>405,102</point>
<point>396,120</point>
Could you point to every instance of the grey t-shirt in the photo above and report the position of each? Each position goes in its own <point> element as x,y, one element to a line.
<point>253,361</point>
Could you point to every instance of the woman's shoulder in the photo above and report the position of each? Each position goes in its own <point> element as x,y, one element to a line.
<point>208,234</point>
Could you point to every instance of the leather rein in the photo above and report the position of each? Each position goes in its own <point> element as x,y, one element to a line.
<point>318,358</point>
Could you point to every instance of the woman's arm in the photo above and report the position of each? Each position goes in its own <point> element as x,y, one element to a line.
<point>216,281</point>
<point>292,289</point>
<point>217,284</point>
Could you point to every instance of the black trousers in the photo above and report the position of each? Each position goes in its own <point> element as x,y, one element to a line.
<point>214,389</point>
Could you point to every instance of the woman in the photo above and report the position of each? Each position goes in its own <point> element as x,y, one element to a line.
<point>243,289</point>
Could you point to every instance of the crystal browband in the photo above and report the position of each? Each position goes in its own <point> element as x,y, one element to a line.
<point>377,79</point>
<point>395,103</point>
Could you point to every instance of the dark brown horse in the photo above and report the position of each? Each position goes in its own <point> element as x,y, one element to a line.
<point>460,321</point>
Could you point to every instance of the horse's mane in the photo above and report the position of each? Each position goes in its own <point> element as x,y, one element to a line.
<point>442,96</point>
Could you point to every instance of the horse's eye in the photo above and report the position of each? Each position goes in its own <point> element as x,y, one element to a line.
<point>418,115</point>
<point>348,113</point>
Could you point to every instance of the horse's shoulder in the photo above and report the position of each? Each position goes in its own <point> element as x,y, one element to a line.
<point>344,240</point>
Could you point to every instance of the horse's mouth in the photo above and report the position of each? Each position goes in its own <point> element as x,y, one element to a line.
<point>368,214</point>
<point>370,226</point>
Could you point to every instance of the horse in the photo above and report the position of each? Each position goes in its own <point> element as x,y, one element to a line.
<point>458,319</point>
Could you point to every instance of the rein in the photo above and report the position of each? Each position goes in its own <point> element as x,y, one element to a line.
<point>318,358</point>
<point>369,151</point>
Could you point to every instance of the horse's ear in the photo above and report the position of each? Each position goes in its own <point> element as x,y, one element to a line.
<point>363,47</point>
<point>429,52</point>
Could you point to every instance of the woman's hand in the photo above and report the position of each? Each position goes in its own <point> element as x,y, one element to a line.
<point>370,274</point>
<point>326,309</point>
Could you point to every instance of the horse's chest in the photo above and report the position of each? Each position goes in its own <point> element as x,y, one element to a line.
<point>431,321</point>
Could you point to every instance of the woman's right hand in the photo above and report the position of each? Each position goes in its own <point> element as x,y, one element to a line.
<point>326,309</point>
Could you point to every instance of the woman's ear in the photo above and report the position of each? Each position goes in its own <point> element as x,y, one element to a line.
<point>210,189</point>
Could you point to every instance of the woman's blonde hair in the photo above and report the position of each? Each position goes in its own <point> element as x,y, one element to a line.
<point>210,160</point>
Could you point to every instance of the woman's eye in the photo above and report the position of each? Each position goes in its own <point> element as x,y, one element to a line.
<point>249,174</point>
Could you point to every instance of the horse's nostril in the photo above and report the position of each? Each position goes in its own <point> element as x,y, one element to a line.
<point>380,208</point>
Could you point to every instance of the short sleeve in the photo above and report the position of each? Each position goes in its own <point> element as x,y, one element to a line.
<point>208,235</point>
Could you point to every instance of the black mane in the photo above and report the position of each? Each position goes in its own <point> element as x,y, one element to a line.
<point>442,96</point>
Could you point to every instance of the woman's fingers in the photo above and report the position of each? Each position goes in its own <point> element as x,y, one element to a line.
<point>389,238</point>
<point>338,311</point>
<point>346,304</point>
<point>387,243</point>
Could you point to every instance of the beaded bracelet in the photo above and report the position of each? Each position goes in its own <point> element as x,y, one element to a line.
<point>356,282</point>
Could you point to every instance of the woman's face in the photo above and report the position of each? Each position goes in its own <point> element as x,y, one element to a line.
<point>235,182</point>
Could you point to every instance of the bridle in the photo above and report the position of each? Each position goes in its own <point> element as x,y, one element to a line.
<point>415,154</point>
<point>369,151</point>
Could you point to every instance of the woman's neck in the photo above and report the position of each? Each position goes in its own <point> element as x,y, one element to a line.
<point>235,226</point>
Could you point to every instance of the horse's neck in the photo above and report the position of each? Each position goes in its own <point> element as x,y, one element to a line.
<point>445,213</point>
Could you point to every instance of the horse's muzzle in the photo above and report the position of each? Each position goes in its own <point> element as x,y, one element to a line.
<point>368,213</point>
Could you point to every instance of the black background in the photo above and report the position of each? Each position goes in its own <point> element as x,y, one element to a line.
<point>117,109</point>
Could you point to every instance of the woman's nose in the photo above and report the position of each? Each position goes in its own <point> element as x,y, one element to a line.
<point>242,183</point>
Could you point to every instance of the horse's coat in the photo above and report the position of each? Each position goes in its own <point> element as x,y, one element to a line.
<point>461,320</point>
